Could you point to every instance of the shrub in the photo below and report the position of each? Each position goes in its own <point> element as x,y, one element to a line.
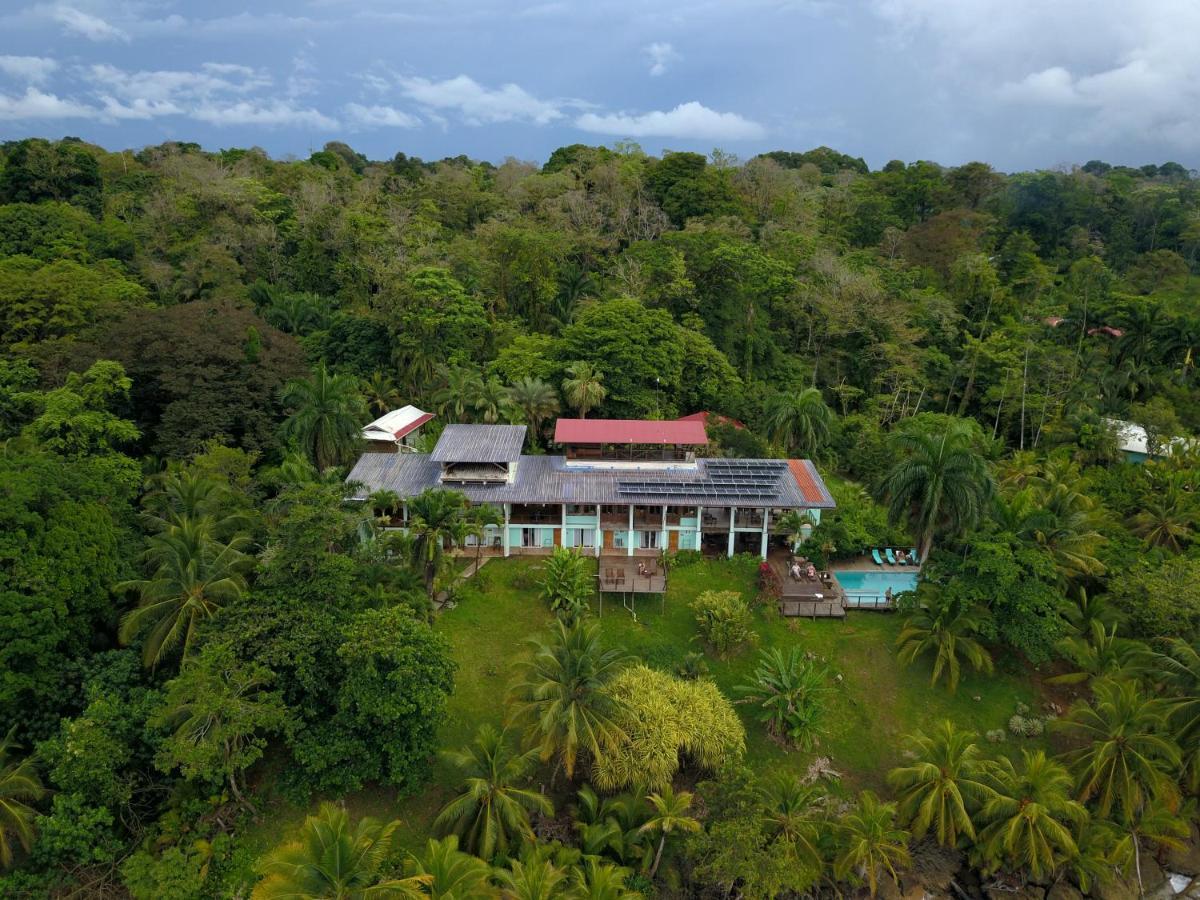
<point>789,693</point>
<point>567,583</point>
<point>725,620</point>
<point>664,718</point>
<point>770,585</point>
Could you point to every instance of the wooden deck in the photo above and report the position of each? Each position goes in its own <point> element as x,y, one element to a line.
<point>814,599</point>
<point>619,575</point>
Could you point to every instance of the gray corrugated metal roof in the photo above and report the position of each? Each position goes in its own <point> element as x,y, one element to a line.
<point>480,444</point>
<point>546,479</point>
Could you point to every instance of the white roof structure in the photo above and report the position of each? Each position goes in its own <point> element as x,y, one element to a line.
<point>396,424</point>
<point>1132,438</point>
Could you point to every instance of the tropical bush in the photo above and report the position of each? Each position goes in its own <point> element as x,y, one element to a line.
<point>788,693</point>
<point>725,619</point>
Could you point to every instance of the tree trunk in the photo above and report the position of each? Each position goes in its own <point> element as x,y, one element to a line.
<point>658,856</point>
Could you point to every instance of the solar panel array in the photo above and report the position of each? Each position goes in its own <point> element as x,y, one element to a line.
<point>725,480</point>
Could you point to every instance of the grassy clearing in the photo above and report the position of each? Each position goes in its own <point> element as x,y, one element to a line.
<point>874,705</point>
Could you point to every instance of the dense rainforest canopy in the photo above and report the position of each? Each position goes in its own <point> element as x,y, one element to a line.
<point>190,341</point>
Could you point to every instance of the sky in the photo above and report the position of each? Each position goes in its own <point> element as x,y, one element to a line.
<point>1020,84</point>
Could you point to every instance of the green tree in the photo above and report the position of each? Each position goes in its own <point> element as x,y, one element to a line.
<point>219,711</point>
<point>788,692</point>
<point>560,695</point>
<point>451,873</point>
<point>941,485</point>
<point>75,420</point>
<point>327,417</point>
<point>584,388</point>
<point>793,814</point>
<point>533,878</point>
<point>724,619</point>
<point>331,858</point>
<point>567,584</point>
<point>491,815</point>
<point>1031,816</point>
<point>194,576</point>
<point>1127,760</point>
<point>871,844</point>
<point>670,816</point>
<point>799,421</point>
<point>19,785</point>
<point>944,786</point>
<point>595,880</point>
<point>537,401</point>
<point>459,392</point>
<point>433,516</point>
<point>945,628</point>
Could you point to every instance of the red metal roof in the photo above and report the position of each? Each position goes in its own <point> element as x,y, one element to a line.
<point>413,425</point>
<point>628,431</point>
<point>705,416</point>
<point>808,485</point>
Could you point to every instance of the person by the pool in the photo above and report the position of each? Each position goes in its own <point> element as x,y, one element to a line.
<point>887,595</point>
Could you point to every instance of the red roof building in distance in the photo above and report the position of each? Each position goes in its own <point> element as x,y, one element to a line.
<point>630,431</point>
<point>705,417</point>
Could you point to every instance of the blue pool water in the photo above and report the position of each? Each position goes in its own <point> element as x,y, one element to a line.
<point>876,582</point>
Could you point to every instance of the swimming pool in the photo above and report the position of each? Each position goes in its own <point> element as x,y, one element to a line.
<point>876,582</point>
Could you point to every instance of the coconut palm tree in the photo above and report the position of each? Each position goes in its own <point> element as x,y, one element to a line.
<point>1156,824</point>
<point>481,517</point>
<point>1129,754</point>
<point>793,524</point>
<point>943,786</point>
<point>560,694</point>
<point>1102,653</point>
<point>537,401</point>
<point>794,816</point>
<point>459,392</point>
<point>1168,519</point>
<point>491,815</point>
<point>492,400</point>
<point>381,393</point>
<point>194,576</point>
<point>596,880</point>
<point>1178,670</point>
<point>799,421</point>
<point>940,487</point>
<point>1030,815</point>
<point>433,517</point>
<point>180,494</point>
<point>1064,523</point>
<point>1084,609</point>
<point>872,844</point>
<point>19,786</point>
<point>944,628</point>
<point>451,873</point>
<point>532,878</point>
<point>584,388</point>
<point>333,859</point>
<point>670,816</point>
<point>327,416</point>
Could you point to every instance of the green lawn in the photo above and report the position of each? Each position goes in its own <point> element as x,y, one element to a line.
<point>876,702</point>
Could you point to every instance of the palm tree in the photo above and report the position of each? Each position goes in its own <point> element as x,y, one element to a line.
<point>491,814</point>
<point>327,416</point>
<point>1063,522</point>
<point>941,486</point>
<point>584,389</point>
<point>1085,609</point>
<point>596,880</point>
<point>381,392</point>
<point>451,873</point>
<point>1168,520</point>
<point>19,786</point>
<point>793,524</point>
<point>492,400</point>
<point>799,421</point>
<point>670,815</point>
<point>793,815</point>
<point>1178,670</point>
<point>872,844</point>
<point>332,859</point>
<point>943,786</point>
<point>1031,815</point>
<point>1101,653</point>
<point>194,576</point>
<point>480,518</point>
<point>1156,824</point>
<point>944,627</point>
<point>1126,762</point>
<point>532,878</point>
<point>560,695</point>
<point>459,392</point>
<point>537,401</point>
<point>433,516</point>
<point>182,494</point>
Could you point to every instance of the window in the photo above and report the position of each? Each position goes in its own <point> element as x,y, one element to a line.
<point>650,539</point>
<point>581,537</point>
<point>529,537</point>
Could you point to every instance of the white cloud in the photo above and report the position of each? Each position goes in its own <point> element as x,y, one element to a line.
<point>687,120</point>
<point>33,69</point>
<point>38,105</point>
<point>164,86</point>
<point>661,55</point>
<point>1121,71</point>
<point>380,116</point>
<point>481,105</point>
<point>76,21</point>
<point>263,112</point>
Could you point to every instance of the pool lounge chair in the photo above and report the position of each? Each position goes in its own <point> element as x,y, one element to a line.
<point>891,557</point>
<point>913,558</point>
<point>875,556</point>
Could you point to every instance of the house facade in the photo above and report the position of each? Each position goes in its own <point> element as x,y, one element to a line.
<point>615,487</point>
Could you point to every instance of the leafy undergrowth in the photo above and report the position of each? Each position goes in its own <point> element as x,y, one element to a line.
<point>874,704</point>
